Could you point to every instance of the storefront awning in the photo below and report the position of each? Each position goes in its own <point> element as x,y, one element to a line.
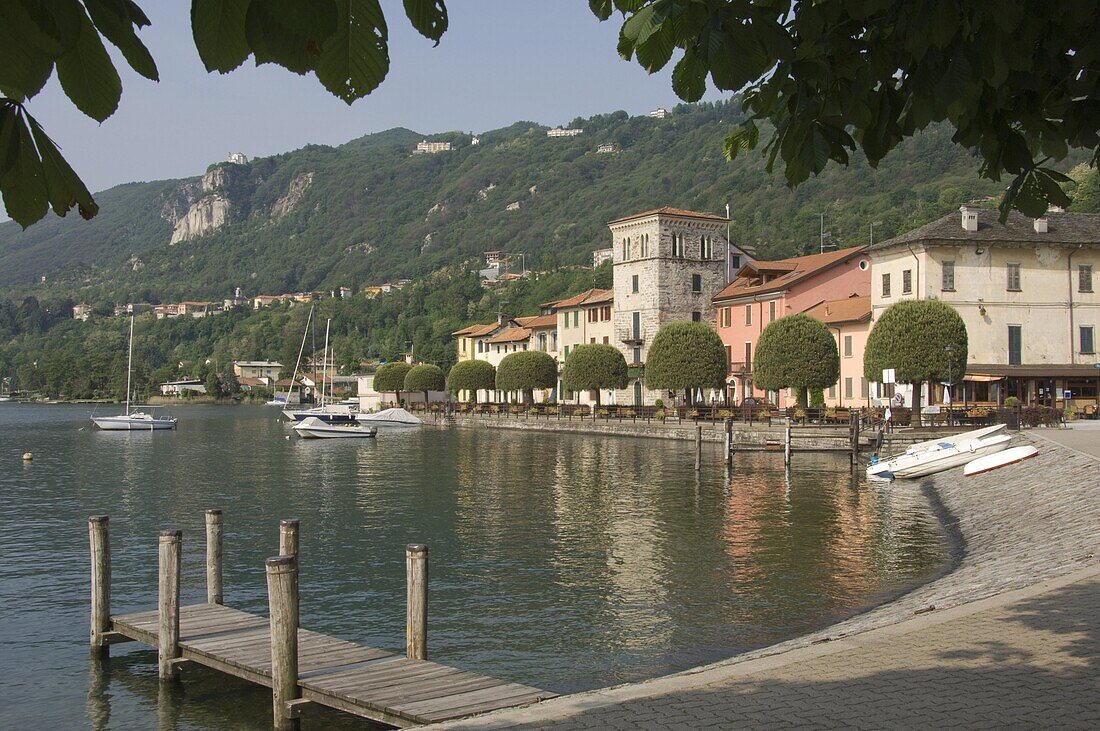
<point>1030,370</point>
<point>982,378</point>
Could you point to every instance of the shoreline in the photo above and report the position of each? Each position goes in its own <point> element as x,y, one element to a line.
<point>1008,533</point>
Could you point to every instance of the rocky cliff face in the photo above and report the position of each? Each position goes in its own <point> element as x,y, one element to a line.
<point>208,207</point>
<point>298,186</point>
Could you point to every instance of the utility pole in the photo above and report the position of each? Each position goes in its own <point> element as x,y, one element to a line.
<point>822,235</point>
<point>729,274</point>
<point>872,227</point>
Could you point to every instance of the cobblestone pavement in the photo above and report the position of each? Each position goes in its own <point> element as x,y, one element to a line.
<point>1009,638</point>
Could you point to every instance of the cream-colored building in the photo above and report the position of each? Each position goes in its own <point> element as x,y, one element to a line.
<point>1026,291</point>
<point>583,319</point>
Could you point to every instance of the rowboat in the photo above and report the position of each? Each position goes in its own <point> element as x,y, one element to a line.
<point>888,467</point>
<point>929,463</point>
<point>314,428</point>
<point>1000,459</point>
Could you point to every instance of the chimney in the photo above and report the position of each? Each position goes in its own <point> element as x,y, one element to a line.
<point>1040,225</point>
<point>969,218</point>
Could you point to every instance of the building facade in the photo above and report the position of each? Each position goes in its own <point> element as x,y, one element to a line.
<point>265,370</point>
<point>849,321</point>
<point>764,291</point>
<point>1026,291</point>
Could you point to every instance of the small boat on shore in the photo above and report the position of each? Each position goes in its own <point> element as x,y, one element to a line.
<point>998,460</point>
<point>314,428</point>
<point>888,467</point>
<point>391,418</point>
<point>923,464</point>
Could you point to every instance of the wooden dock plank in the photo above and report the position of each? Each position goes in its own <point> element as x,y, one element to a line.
<point>358,679</point>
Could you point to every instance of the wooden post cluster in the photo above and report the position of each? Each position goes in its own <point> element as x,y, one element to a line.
<point>282,597</point>
<point>99,543</point>
<point>416,617</point>
<point>698,447</point>
<point>214,556</point>
<point>168,603</point>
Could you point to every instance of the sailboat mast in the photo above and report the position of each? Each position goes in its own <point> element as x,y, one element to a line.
<point>324,361</point>
<point>129,365</point>
<point>298,362</point>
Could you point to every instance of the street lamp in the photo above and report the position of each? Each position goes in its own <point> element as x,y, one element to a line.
<point>949,351</point>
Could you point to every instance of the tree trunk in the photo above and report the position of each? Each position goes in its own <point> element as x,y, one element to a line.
<point>916,401</point>
<point>802,399</point>
<point>597,398</point>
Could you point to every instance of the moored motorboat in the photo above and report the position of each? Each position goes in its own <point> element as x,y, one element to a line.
<point>887,467</point>
<point>999,459</point>
<point>391,417</point>
<point>314,428</point>
<point>929,463</point>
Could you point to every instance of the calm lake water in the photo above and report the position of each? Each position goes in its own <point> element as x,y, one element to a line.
<point>564,562</point>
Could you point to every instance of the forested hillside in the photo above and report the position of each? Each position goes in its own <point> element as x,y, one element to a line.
<point>367,211</point>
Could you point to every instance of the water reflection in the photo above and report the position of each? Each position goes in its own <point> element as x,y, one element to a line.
<point>561,561</point>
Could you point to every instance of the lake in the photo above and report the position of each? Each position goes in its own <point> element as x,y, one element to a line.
<point>566,562</point>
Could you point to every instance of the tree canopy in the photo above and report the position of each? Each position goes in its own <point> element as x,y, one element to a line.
<point>1019,81</point>
<point>344,43</point>
<point>391,377</point>
<point>798,352</point>
<point>425,377</point>
<point>686,355</point>
<point>593,367</point>
<point>472,376</point>
<point>922,340</point>
<point>526,370</point>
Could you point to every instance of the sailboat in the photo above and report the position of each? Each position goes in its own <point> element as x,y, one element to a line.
<point>330,413</point>
<point>5,390</point>
<point>133,420</point>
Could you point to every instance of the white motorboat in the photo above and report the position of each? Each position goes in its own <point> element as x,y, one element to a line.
<point>886,468</point>
<point>133,420</point>
<point>391,417</point>
<point>999,459</point>
<point>928,463</point>
<point>314,428</point>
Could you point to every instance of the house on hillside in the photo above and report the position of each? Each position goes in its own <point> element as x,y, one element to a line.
<point>82,312</point>
<point>179,389</point>
<point>266,370</point>
<point>767,290</point>
<point>1026,291</point>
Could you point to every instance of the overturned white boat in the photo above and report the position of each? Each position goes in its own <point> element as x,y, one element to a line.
<point>1000,459</point>
<point>314,428</point>
<point>390,417</point>
<point>929,463</point>
<point>888,467</point>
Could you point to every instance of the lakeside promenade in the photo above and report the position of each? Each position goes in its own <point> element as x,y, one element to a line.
<point>1009,638</point>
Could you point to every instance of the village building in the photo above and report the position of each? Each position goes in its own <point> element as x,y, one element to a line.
<point>180,389</point>
<point>599,256</point>
<point>424,147</point>
<point>1026,290</point>
<point>266,370</point>
<point>668,263</point>
<point>764,291</point>
<point>849,321</point>
<point>132,308</point>
<point>561,132</point>
<point>82,312</point>
<point>582,319</point>
<point>658,113</point>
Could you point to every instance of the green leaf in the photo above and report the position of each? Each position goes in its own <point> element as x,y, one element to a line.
<point>63,187</point>
<point>288,32</point>
<point>744,137</point>
<point>218,29</point>
<point>355,59</point>
<point>689,78</point>
<point>112,18</point>
<point>24,69</point>
<point>600,8</point>
<point>429,17</point>
<point>87,75</point>
<point>656,50</point>
<point>22,180</point>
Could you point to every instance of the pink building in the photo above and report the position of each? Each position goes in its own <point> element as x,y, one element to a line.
<point>849,320</point>
<point>764,291</point>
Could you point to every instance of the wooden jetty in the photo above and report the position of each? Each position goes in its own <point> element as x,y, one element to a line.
<point>301,667</point>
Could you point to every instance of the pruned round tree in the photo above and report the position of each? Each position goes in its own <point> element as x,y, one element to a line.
<point>796,352</point>
<point>526,370</point>
<point>687,356</point>
<point>391,378</point>
<point>425,377</point>
<point>592,367</point>
<point>472,376</point>
<point>922,340</point>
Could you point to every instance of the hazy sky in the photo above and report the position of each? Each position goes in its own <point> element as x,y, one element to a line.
<point>501,61</point>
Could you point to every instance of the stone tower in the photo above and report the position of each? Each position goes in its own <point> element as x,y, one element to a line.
<point>668,264</point>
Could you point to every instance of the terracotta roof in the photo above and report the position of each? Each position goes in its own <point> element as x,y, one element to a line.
<point>476,331</point>
<point>794,270</point>
<point>511,335</point>
<point>667,211</point>
<point>852,309</point>
<point>538,321</point>
<point>251,381</point>
<point>1062,228</point>
<point>587,297</point>
<point>286,382</point>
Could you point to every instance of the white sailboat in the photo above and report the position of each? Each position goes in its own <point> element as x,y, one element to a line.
<point>328,412</point>
<point>133,420</point>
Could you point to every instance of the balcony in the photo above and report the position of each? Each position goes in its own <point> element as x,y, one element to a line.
<point>630,336</point>
<point>740,368</point>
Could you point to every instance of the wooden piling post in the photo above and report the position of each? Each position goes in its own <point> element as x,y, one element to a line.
<point>787,445</point>
<point>698,447</point>
<point>99,543</point>
<point>168,604</point>
<point>416,624</point>
<point>729,442</point>
<point>288,538</point>
<point>214,556</point>
<point>282,597</point>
